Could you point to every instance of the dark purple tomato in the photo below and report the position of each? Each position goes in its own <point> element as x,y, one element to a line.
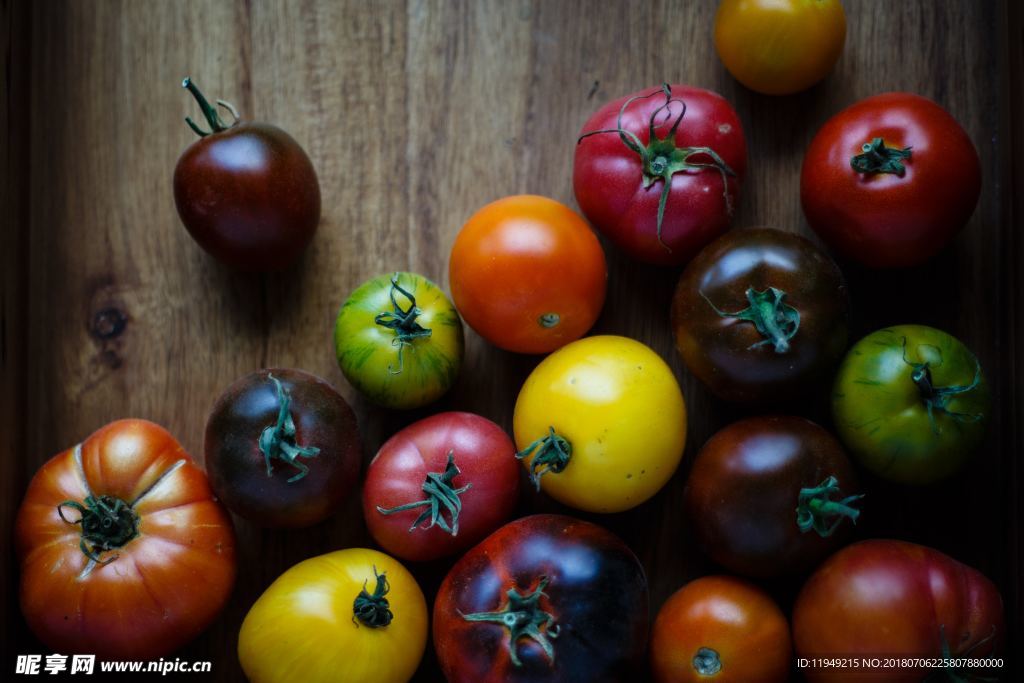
<point>246,192</point>
<point>773,495</point>
<point>282,448</point>
<point>543,598</point>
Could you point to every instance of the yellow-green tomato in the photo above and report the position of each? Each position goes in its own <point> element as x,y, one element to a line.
<point>353,615</point>
<point>399,340</point>
<point>601,424</point>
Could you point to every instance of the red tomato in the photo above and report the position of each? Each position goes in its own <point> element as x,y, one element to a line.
<point>658,171</point>
<point>890,180</point>
<point>124,551</point>
<point>528,274</point>
<point>895,599</point>
<point>440,485</point>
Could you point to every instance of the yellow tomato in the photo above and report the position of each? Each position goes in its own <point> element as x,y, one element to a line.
<point>305,627</point>
<point>778,47</point>
<point>601,424</point>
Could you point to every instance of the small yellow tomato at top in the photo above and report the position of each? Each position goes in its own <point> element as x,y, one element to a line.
<point>353,615</point>
<point>779,47</point>
<point>601,424</point>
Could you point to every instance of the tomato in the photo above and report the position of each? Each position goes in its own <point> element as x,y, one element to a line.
<point>399,340</point>
<point>440,485</point>
<point>719,629</point>
<point>761,315</point>
<point>282,448</point>
<point>124,551</point>
<point>896,600</point>
<point>246,191</point>
<point>779,47</point>
<point>601,424</point>
<point>528,274</point>
<point>543,598</point>
<point>353,615</point>
<point>911,403</point>
<point>890,180</point>
<point>658,172</point>
<point>767,495</point>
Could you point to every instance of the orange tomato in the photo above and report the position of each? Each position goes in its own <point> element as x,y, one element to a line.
<point>779,47</point>
<point>719,629</point>
<point>528,274</point>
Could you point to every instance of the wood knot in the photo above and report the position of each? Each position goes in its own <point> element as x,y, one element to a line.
<point>108,323</point>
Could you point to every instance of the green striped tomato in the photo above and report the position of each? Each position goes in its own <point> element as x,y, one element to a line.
<point>399,340</point>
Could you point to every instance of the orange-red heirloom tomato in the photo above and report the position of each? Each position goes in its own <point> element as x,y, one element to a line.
<point>528,274</point>
<point>124,551</point>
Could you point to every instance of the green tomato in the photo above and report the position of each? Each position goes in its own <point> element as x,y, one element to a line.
<point>399,340</point>
<point>911,403</point>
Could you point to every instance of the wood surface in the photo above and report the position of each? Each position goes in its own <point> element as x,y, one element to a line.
<point>415,114</point>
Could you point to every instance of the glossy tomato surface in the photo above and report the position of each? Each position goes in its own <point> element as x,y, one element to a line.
<point>760,315</point>
<point>353,615</point>
<point>911,403</point>
<point>770,495</point>
<point>124,551</point>
<point>895,599</point>
<point>720,629</point>
<point>697,157</point>
<point>248,194</point>
<point>890,180</point>
<point>440,485</point>
<point>282,448</point>
<point>528,274</point>
<point>601,424</point>
<point>544,598</point>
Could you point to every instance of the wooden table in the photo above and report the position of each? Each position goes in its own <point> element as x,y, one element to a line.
<point>415,114</point>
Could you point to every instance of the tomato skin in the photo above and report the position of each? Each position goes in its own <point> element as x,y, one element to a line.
<point>728,354</point>
<point>916,593</point>
<point>740,623</point>
<point>392,374</point>
<point>881,417</point>
<point>619,406</point>
<point>528,274</point>
<point>779,48</point>
<point>596,592</point>
<point>883,220</point>
<point>608,176</point>
<point>166,585</point>
<point>237,467</point>
<point>744,491</point>
<point>485,457</point>
<point>303,627</point>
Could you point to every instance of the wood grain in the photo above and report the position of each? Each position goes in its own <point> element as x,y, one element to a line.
<point>415,114</point>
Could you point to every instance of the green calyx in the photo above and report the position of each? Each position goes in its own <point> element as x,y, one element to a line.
<point>216,123</point>
<point>661,158</point>
<point>441,496</point>
<point>777,321</point>
<point>551,453</point>
<point>951,673</point>
<point>875,157</point>
<point>278,441</point>
<point>816,508</point>
<point>706,662</point>
<point>107,523</point>
<point>402,321</point>
<point>523,616</point>
<point>373,609</point>
<point>937,399</point>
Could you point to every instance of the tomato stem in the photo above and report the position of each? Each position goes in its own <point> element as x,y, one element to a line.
<point>523,616</point>
<point>402,321</point>
<point>107,523</point>
<point>875,157</point>
<point>373,609</point>
<point>440,493</point>
<point>551,453</point>
<point>817,510</point>
<point>279,442</point>
<point>937,399</point>
<point>707,662</point>
<point>209,113</point>
<point>776,320</point>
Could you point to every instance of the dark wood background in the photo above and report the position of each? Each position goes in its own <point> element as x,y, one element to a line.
<point>415,114</point>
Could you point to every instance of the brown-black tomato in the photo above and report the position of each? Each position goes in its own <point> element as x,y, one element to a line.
<point>761,314</point>
<point>771,495</point>
<point>282,448</point>
<point>543,598</point>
